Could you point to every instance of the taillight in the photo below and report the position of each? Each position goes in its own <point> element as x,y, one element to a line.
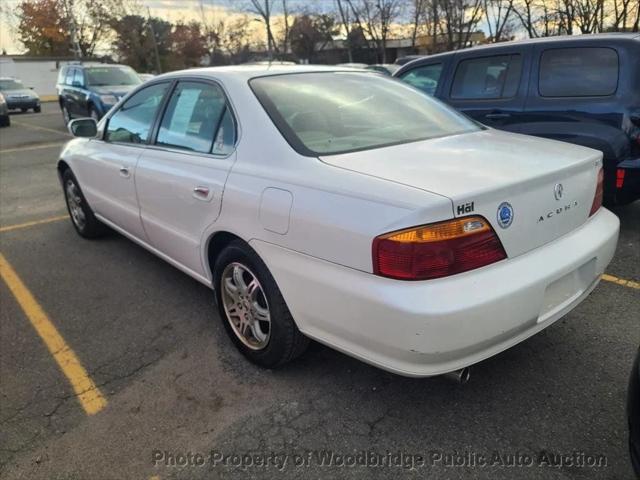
<point>437,250</point>
<point>620,177</point>
<point>597,198</point>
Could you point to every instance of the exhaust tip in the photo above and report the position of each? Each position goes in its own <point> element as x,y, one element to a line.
<point>461,376</point>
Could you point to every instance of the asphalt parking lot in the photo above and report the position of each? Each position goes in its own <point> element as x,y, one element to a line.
<point>166,395</point>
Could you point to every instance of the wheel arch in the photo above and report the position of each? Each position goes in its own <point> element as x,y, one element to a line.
<point>61,168</point>
<point>214,246</point>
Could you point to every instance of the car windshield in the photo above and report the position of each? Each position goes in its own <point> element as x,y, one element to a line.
<point>11,84</point>
<point>102,76</point>
<point>338,112</point>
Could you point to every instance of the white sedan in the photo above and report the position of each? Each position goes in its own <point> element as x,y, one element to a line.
<point>345,207</point>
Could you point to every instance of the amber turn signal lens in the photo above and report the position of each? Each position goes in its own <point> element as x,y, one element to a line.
<point>437,250</point>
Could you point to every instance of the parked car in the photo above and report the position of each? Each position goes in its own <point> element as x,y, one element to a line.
<point>346,207</point>
<point>633,414</point>
<point>146,76</point>
<point>5,119</point>
<point>385,68</point>
<point>91,89</point>
<point>579,89</point>
<point>406,59</point>
<point>352,65</point>
<point>17,96</point>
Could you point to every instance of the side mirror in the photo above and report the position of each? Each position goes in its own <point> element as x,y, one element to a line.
<point>83,127</point>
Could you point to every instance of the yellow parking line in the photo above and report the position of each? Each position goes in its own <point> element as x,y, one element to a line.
<point>37,127</point>
<point>20,226</point>
<point>87,393</point>
<point>33,147</point>
<point>621,281</point>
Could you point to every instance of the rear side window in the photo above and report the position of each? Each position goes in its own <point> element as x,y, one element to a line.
<point>197,115</point>
<point>578,72</point>
<point>487,78</point>
<point>132,122</point>
<point>62,75</point>
<point>424,78</point>
<point>69,78</point>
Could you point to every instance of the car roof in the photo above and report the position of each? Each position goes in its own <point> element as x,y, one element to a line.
<point>603,37</point>
<point>247,72</point>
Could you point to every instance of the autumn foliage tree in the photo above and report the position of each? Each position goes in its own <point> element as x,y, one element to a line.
<point>42,28</point>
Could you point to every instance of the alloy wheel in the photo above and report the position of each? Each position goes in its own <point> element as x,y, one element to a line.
<point>246,306</point>
<point>74,201</point>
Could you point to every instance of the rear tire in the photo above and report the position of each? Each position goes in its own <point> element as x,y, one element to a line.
<point>5,121</point>
<point>271,336</point>
<point>66,116</point>
<point>82,217</point>
<point>37,109</point>
<point>24,110</point>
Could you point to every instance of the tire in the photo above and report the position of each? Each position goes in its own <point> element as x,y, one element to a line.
<point>5,121</point>
<point>24,110</point>
<point>66,116</point>
<point>37,109</point>
<point>82,217</point>
<point>284,342</point>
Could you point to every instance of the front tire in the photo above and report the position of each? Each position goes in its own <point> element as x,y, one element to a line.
<point>82,217</point>
<point>37,109</point>
<point>253,310</point>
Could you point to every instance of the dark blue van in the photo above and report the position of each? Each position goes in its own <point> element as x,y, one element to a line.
<point>579,89</point>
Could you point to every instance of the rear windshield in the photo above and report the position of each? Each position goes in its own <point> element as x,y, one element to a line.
<point>338,112</point>
<point>102,76</point>
<point>11,85</point>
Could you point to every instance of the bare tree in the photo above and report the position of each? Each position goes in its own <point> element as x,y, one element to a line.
<point>418,19</point>
<point>375,18</point>
<point>344,13</point>
<point>498,15</point>
<point>457,21</point>
<point>264,9</point>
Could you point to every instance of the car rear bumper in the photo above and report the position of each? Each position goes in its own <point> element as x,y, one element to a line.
<point>14,104</point>
<point>432,327</point>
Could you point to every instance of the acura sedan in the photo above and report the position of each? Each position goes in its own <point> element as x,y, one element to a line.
<point>344,206</point>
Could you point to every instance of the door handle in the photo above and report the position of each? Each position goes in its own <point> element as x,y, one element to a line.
<point>202,192</point>
<point>124,171</point>
<point>497,115</point>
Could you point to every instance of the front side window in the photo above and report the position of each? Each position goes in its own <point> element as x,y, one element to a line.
<point>111,76</point>
<point>337,112</point>
<point>487,78</point>
<point>424,78</point>
<point>197,119</point>
<point>132,122</point>
<point>578,72</point>
<point>78,79</point>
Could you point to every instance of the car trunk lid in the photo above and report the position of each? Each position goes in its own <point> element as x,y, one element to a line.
<point>531,190</point>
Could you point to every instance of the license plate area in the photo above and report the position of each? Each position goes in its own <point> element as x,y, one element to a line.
<point>565,290</point>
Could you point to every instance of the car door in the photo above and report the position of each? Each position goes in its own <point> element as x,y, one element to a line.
<point>180,178</point>
<point>490,85</point>
<point>70,94</point>
<point>108,169</point>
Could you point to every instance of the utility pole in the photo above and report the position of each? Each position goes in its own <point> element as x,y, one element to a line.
<point>155,43</point>
<point>75,45</point>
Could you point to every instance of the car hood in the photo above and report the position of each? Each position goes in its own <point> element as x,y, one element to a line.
<point>482,171</point>
<point>117,90</point>
<point>20,93</point>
